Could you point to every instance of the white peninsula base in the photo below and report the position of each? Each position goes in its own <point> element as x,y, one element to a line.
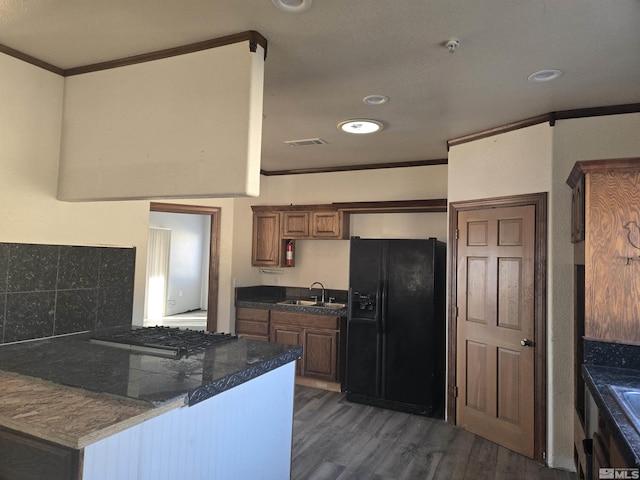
<point>244,433</point>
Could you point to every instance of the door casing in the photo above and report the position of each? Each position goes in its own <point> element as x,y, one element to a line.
<point>539,201</point>
<point>214,252</point>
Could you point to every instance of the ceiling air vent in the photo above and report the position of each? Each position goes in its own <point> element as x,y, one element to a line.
<point>306,141</point>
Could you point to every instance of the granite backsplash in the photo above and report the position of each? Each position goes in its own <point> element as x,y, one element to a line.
<point>49,290</point>
<point>278,293</point>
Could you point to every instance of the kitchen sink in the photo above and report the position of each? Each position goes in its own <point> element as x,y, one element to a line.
<point>312,303</point>
<point>629,400</point>
<point>303,303</point>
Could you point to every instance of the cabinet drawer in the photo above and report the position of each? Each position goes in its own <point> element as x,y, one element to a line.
<point>248,327</point>
<point>252,314</point>
<point>305,319</point>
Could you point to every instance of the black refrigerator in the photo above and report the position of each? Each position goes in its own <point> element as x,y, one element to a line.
<point>396,324</point>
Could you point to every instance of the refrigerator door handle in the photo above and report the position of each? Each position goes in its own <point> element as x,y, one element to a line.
<point>382,312</point>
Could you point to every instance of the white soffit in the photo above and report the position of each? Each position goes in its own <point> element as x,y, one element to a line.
<point>180,127</point>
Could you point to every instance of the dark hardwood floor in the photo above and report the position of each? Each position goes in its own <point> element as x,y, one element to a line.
<point>338,440</point>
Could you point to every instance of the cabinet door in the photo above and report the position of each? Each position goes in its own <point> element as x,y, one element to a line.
<point>600,455</point>
<point>267,247</point>
<point>27,457</point>
<point>288,335</point>
<point>326,225</point>
<point>295,224</point>
<point>320,354</point>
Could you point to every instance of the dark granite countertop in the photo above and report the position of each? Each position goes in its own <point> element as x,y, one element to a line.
<point>267,297</point>
<point>272,304</point>
<point>73,361</point>
<point>598,379</point>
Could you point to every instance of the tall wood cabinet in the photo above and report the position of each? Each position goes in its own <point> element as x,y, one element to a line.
<point>605,231</point>
<point>606,206</point>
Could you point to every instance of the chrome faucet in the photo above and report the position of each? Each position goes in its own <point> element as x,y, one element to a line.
<point>321,286</point>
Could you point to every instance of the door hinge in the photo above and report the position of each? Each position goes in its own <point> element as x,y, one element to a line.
<point>457,234</point>
<point>457,311</point>
<point>455,392</point>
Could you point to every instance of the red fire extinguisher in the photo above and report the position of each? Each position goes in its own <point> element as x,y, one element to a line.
<point>289,254</point>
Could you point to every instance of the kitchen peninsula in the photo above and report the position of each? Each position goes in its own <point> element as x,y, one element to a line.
<point>70,408</point>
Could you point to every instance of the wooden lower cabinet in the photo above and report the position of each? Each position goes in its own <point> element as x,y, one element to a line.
<point>319,336</point>
<point>253,323</point>
<point>23,457</point>
<point>320,349</point>
<point>606,453</point>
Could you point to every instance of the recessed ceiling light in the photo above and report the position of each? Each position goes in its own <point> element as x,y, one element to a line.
<point>294,6</point>
<point>360,126</point>
<point>544,76</point>
<point>375,99</point>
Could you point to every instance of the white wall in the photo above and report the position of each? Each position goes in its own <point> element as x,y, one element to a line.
<point>189,248</point>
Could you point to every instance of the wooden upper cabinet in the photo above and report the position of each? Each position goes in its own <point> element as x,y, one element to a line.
<point>333,225</point>
<point>273,226</point>
<point>267,243</point>
<point>315,224</point>
<point>611,191</point>
<point>295,224</point>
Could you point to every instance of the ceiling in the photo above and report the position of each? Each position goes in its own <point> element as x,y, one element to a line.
<point>322,62</point>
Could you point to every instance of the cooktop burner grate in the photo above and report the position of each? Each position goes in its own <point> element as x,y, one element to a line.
<point>166,341</point>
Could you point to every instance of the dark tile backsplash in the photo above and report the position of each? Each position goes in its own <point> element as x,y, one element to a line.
<point>48,290</point>
<point>277,293</point>
<point>611,354</point>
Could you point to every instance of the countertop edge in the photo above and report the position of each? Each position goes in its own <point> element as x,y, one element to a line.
<point>37,425</point>
<point>232,380</point>
<point>598,378</point>
<point>274,305</point>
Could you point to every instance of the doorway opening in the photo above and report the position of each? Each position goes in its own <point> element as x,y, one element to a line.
<point>194,273</point>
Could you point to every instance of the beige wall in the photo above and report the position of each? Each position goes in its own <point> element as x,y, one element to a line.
<point>327,261</point>
<point>539,159</point>
<point>154,129</point>
<point>30,127</point>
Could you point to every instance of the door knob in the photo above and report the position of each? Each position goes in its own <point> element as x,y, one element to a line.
<point>526,343</point>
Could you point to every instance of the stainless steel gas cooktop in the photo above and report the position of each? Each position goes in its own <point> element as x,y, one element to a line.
<point>165,341</point>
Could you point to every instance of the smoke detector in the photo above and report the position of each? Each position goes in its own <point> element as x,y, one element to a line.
<point>452,44</point>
